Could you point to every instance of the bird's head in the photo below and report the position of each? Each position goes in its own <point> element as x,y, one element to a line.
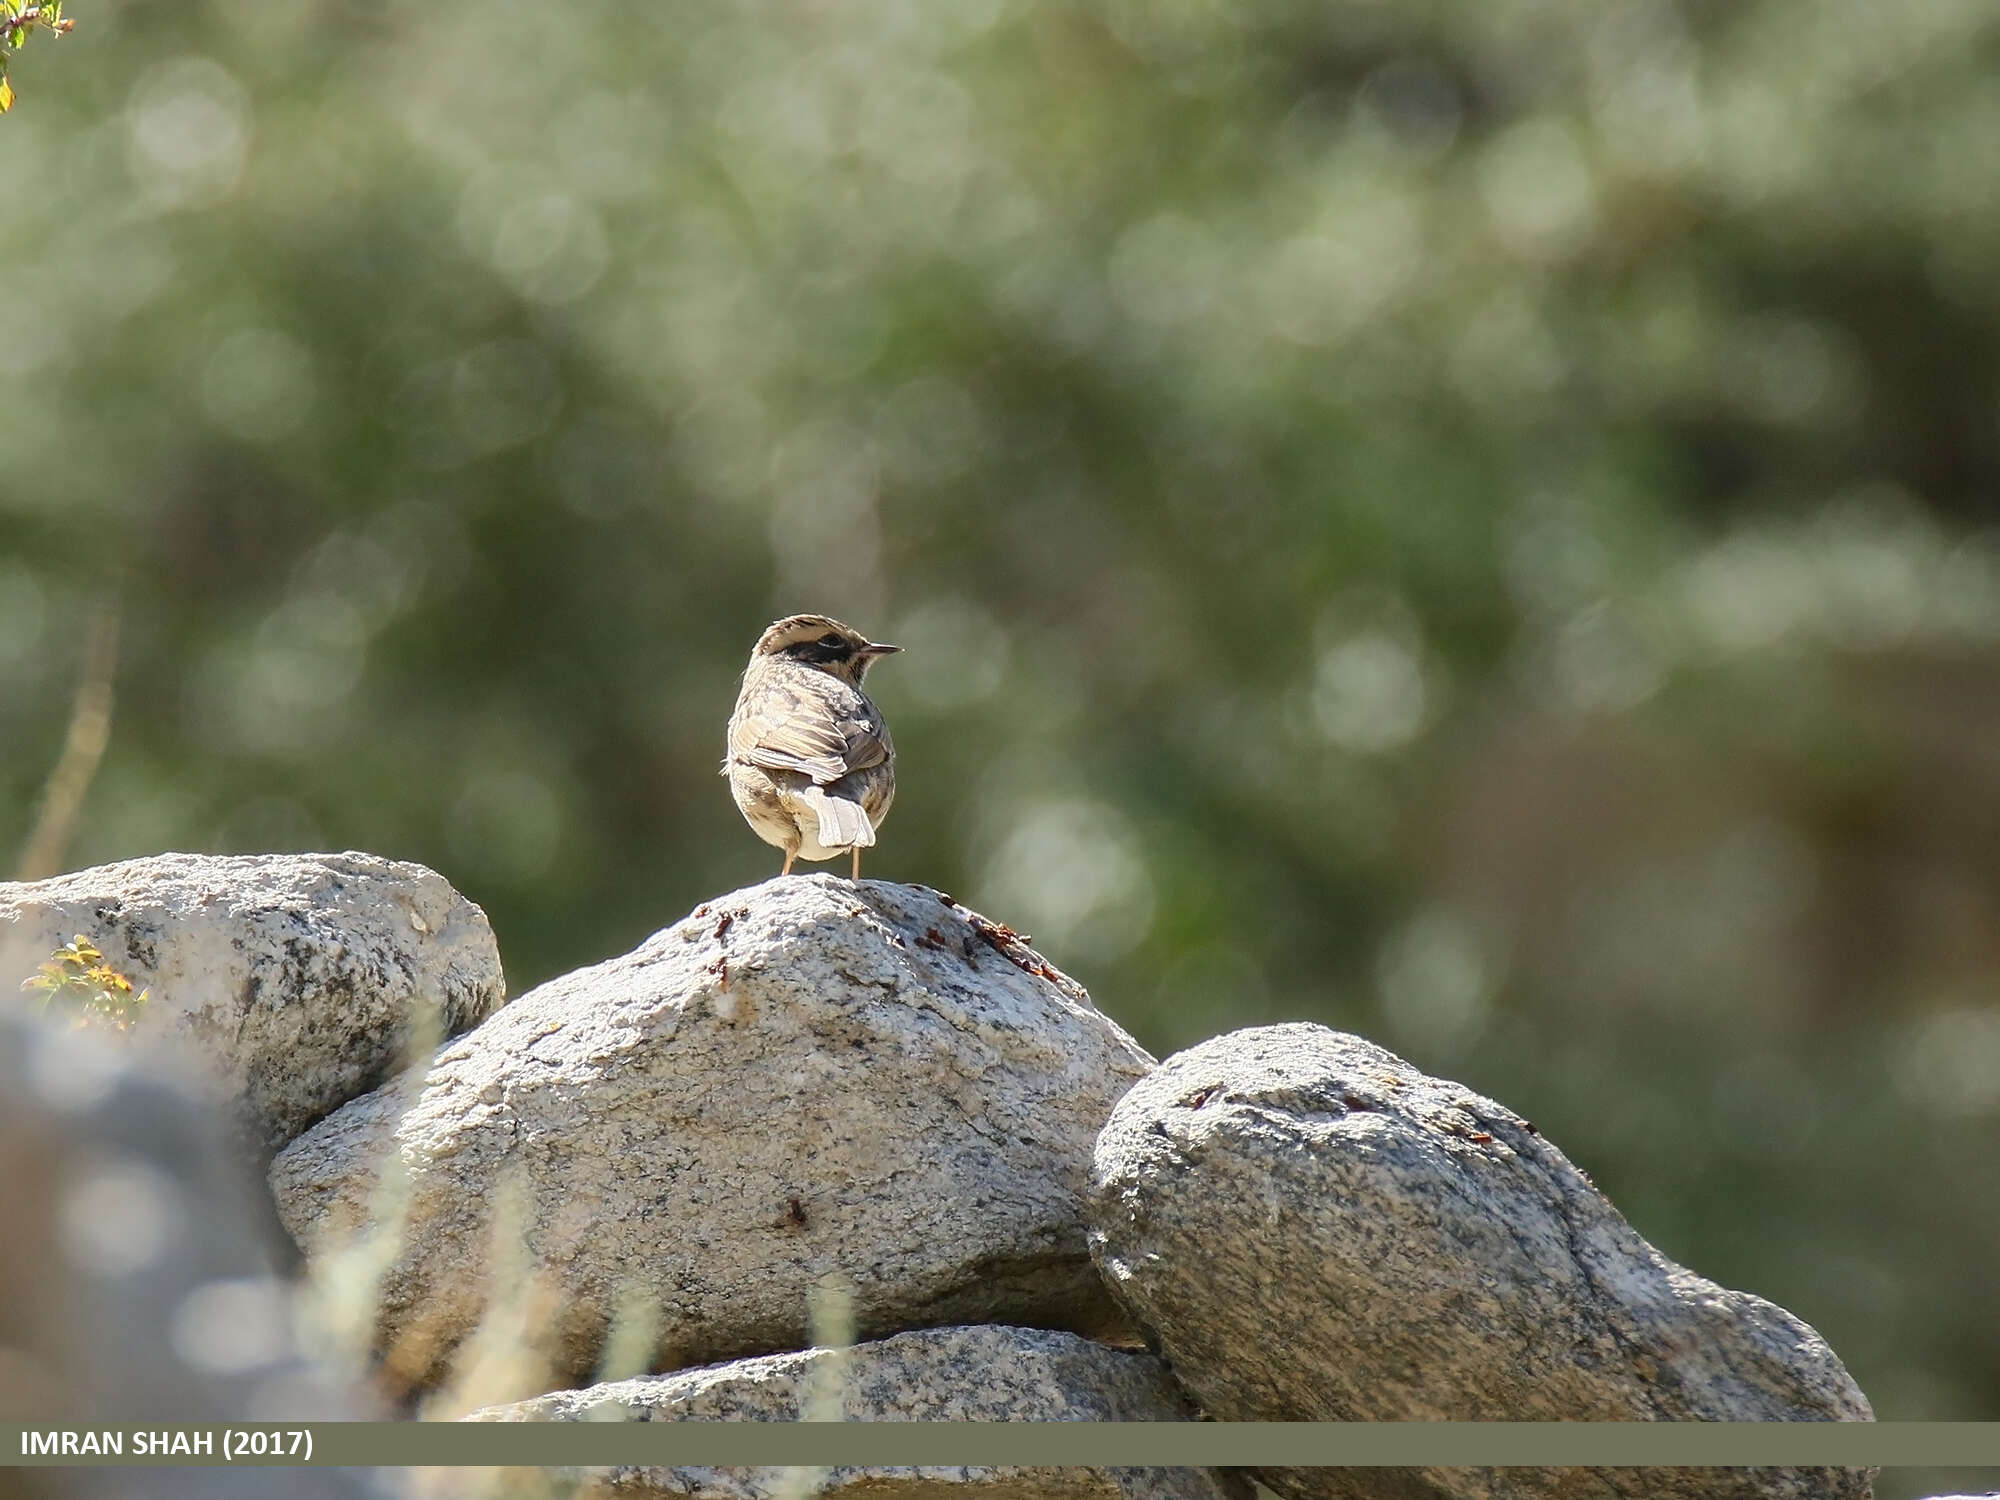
<point>817,641</point>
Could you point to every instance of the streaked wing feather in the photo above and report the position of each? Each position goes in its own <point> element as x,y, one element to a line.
<point>820,745</point>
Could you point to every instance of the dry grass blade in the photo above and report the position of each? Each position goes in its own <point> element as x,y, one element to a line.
<point>82,751</point>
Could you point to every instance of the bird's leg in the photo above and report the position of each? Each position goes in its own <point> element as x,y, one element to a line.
<point>790,855</point>
<point>856,852</point>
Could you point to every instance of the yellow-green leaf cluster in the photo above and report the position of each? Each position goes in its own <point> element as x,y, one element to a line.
<point>95,994</point>
<point>17,19</point>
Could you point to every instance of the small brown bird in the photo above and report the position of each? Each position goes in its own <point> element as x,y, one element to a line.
<point>810,763</point>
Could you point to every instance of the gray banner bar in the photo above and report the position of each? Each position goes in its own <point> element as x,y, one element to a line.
<point>767,1444</point>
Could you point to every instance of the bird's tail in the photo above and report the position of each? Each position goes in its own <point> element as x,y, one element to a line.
<point>842,824</point>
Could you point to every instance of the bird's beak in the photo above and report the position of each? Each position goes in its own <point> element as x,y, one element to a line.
<point>877,648</point>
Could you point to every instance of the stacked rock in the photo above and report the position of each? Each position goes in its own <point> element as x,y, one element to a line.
<point>851,1149</point>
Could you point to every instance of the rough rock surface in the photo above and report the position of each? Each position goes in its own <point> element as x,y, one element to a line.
<point>805,1078</point>
<point>1312,1229</point>
<point>138,1281</point>
<point>979,1374</point>
<point>293,976</point>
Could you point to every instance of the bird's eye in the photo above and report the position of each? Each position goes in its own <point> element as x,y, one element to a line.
<point>831,640</point>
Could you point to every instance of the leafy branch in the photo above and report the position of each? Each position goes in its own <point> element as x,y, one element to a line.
<point>18,20</point>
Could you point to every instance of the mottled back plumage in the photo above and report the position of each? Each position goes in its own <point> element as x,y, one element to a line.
<point>811,764</point>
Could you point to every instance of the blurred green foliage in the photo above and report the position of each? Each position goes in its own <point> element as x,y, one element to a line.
<point>1476,524</point>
